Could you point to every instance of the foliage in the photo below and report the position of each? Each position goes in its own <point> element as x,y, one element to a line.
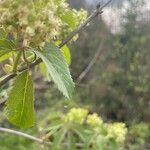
<point>38,21</point>
<point>79,130</point>
<point>29,28</point>
<point>138,136</point>
<point>21,113</point>
<point>10,141</point>
<point>118,84</point>
<point>57,68</point>
<point>71,130</point>
<point>117,87</point>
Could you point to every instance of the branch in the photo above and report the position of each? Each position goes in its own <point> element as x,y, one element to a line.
<point>32,138</point>
<point>90,65</point>
<point>98,11</point>
<point>40,141</point>
<point>65,41</point>
<point>7,78</point>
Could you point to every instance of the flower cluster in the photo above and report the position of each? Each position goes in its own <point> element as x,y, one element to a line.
<point>38,21</point>
<point>76,115</point>
<point>117,131</point>
<point>94,120</point>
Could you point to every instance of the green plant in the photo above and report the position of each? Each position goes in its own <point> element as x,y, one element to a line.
<point>80,130</point>
<point>138,136</point>
<point>31,30</point>
<point>29,35</point>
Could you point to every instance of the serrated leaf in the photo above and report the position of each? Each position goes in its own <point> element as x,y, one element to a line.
<point>19,108</point>
<point>57,68</point>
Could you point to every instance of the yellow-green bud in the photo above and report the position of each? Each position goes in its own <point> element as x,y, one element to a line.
<point>77,115</point>
<point>94,120</point>
<point>117,131</point>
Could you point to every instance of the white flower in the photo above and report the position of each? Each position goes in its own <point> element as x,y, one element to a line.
<point>38,21</point>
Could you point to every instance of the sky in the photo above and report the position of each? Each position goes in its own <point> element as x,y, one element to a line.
<point>112,14</point>
<point>94,2</point>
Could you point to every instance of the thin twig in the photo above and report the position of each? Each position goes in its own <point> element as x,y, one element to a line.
<point>30,137</point>
<point>90,65</point>
<point>41,141</point>
<point>65,41</point>
<point>83,25</point>
<point>7,78</point>
<point>106,4</point>
<point>98,11</point>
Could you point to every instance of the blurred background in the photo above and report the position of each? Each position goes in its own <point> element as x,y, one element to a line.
<point>111,66</point>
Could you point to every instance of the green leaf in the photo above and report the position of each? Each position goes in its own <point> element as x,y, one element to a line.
<point>19,108</point>
<point>4,52</point>
<point>43,70</point>
<point>6,44</point>
<point>4,55</point>
<point>57,68</point>
<point>69,19</point>
<point>66,53</point>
